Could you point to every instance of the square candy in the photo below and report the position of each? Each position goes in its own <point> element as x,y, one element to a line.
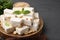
<point>36,15</point>
<point>35,24</point>
<point>22,30</point>
<point>8,11</point>
<point>8,15</point>
<point>16,22</point>
<point>28,20</point>
<point>6,26</point>
<point>29,8</point>
<point>17,8</point>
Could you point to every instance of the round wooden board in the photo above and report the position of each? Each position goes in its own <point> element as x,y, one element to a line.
<point>18,36</point>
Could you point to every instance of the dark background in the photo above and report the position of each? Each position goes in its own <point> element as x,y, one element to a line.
<point>50,11</point>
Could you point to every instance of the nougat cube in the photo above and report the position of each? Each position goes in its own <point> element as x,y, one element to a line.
<point>8,11</point>
<point>25,8</point>
<point>27,20</point>
<point>22,30</point>
<point>8,16</point>
<point>17,8</point>
<point>6,26</point>
<point>1,17</point>
<point>16,22</point>
<point>8,29</point>
<point>29,8</point>
<point>35,24</point>
<point>36,15</point>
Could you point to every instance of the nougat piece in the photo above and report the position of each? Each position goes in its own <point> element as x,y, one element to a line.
<point>17,8</point>
<point>35,24</point>
<point>31,9</point>
<point>16,22</point>
<point>6,26</point>
<point>27,20</point>
<point>22,30</point>
<point>8,11</point>
<point>1,17</point>
<point>36,15</point>
<point>8,16</point>
<point>25,8</point>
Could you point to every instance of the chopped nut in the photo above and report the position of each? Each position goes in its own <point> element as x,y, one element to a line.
<point>21,16</point>
<point>14,32</point>
<point>26,18</point>
<point>15,16</point>
<point>31,19</point>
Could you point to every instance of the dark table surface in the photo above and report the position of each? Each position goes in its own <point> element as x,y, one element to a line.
<point>50,11</point>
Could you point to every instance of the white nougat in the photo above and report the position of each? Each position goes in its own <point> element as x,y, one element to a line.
<point>7,29</point>
<point>8,15</point>
<point>17,8</point>
<point>29,8</point>
<point>36,15</point>
<point>6,26</point>
<point>22,30</point>
<point>8,11</point>
<point>16,22</point>
<point>25,8</point>
<point>1,17</point>
<point>27,20</point>
<point>35,24</point>
<point>30,14</point>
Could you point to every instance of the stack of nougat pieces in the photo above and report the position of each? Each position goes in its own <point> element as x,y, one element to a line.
<point>21,23</point>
